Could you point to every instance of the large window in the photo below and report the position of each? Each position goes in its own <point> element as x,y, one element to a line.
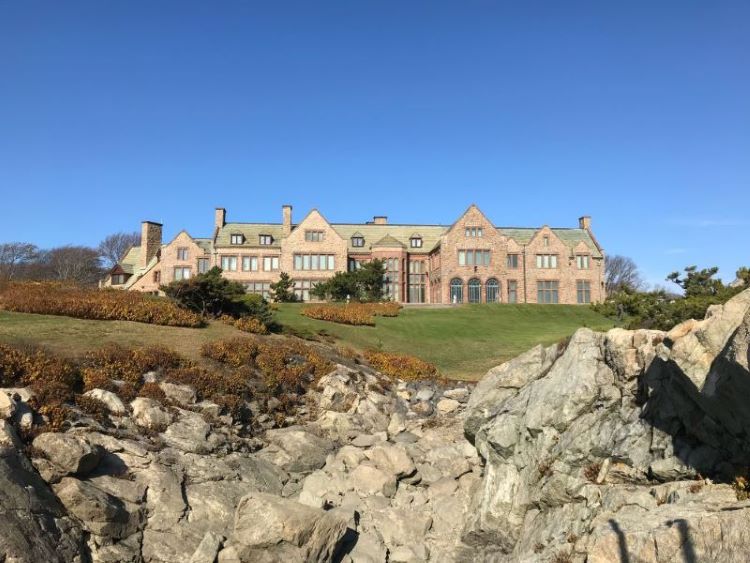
<point>314,262</point>
<point>457,291</point>
<point>417,281</point>
<point>203,264</point>
<point>265,240</point>
<point>475,291</point>
<point>582,261</point>
<point>546,292</point>
<point>473,257</point>
<point>392,281</point>
<point>314,236</point>
<point>474,232</point>
<point>512,261</point>
<point>546,261</point>
<point>492,291</point>
<point>261,288</point>
<point>236,238</point>
<point>229,263</point>
<point>249,263</point>
<point>512,291</point>
<point>181,273</point>
<point>270,263</point>
<point>583,289</point>
<point>302,289</point>
<point>182,253</point>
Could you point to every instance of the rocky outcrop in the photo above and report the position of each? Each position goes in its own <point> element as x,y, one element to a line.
<point>600,449</point>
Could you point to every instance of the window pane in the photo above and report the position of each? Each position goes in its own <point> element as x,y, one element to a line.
<point>314,262</point>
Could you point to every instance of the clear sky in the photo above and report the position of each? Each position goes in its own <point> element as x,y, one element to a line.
<point>637,113</point>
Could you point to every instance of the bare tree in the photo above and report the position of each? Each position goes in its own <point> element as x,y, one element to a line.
<point>80,264</point>
<point>13,256</point>
<point>114,247</point>
<point>620,272</point>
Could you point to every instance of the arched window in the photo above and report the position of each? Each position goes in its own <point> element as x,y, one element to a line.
<point>492,290</point>
<point>457,291</point>
<point>475,291</point>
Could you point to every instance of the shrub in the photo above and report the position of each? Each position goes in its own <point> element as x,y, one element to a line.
<point>208,295</point>
<point>82,303</point>
<point>401,366</point>
<point>93,407</point>
<point>152,390</point>
<point>352,313</point>
<point>129,364</point>
<point>20,366</point>
<point>247,324</point>
<point>364,284</point>
<point>232,351</point>
<point>282,291</point>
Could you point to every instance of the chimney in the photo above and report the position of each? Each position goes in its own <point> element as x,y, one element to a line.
<point>584,222</point>
<point>150,241</point>
<point>220,218</point>
<point>286,219</point>
<point>380,220</point>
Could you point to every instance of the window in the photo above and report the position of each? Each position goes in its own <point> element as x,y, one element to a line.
<point>229,263</point>
<point>236,238</point>
<point>265,240</point>
<point>157,276</point>
<point>512,291</point>
<point>358,242</point>
<point>546,261</point>
<point>473,257</point>
<point>546,241</point>
<point>583,289</point>
<point>260,288</point>
<point>181,273</point>
<point>314,236</point>
<point>474,232</point>
<point>302,289</point>
<point>582,261</point>
<point>270,263</point>
<point>475,291</point>
<point>354,264</point>
<point>457,291</point>
<point>249,263</point>
<point>118,279</point>
<point>392,281</point>
<point>546,292</point>
<point>182,253</point>
<point>512,261</point>
<point>492,291</point>
<point>203,264</point>
<point>417,281</point>
<point>416,242</point>
<point>314,262</point>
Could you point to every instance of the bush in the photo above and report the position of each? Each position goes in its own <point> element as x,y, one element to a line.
<point>209,294</point>
<point>361,314</point>
<point>401,366</point>
<point>364,284</point>
<point>246,324</point>
<point>20,366</point>
<point>96,304</point>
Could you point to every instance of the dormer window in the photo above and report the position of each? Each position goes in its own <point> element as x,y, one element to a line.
<point>237,238</point>
<point>474,232</point>
<point>314,236</point>
<point>415,242</point>
<point>265,240</point>
<point>358,242</point>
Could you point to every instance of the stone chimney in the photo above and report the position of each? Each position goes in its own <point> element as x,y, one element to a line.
<point>286,219</point>
<point>380,220</point>
<point>220,218</point>
<point>150,241</point>
<point>584,222</point>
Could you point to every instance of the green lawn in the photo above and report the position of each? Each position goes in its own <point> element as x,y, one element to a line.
<point>464,341</point>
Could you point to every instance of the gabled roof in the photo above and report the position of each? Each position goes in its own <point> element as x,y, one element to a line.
<point>251,232</point>
<point>389,241</point>
<point>129,262</point>
<point>570,237</point>
<point>373,234</point>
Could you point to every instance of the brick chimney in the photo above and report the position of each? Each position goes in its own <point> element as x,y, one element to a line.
<point>584,222</point>
<point>380,220</point>
<point>286,219</point>
<point>220,218</point>
<point>150,241</point>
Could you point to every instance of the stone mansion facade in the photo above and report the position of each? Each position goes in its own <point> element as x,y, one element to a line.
<point>470,261</point>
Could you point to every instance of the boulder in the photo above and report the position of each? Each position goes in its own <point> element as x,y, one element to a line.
<point>67,454</point>
<point>296,450</point>
<point>447,406</point>
<point>113,403</point>
<point>149,413</point>
<point>7,405</point>
<point>181,394</point>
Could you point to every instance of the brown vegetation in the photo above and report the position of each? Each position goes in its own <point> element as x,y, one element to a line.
<point>401,366</point>
<point>353,313</point>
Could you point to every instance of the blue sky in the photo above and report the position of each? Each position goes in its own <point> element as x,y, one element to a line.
<point>637,113</point>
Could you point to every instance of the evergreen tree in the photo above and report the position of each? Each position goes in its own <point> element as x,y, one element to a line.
<point>283,290</point>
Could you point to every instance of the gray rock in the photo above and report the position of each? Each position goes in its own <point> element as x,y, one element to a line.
<point>7,406</point>
<point>296,450</point>
<point>208,549</point>
<point>425,394</point>
<point>189,433</point>
<point>180,394</point>
<point>113,403</point>
<point>447,406</point>
<point>149,413</point>
<point>67,454</point>
<point>460,394</point>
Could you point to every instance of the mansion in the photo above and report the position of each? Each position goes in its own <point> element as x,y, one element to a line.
<point>470,261</point>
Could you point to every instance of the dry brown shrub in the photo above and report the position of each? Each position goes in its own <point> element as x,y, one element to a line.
<point>152,390</point>
<point>93,407</point>
<point>401,366</point>
<point>362,314</point>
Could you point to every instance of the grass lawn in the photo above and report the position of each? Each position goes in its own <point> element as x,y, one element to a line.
<point>464,341</point>
<point>72,337</point>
